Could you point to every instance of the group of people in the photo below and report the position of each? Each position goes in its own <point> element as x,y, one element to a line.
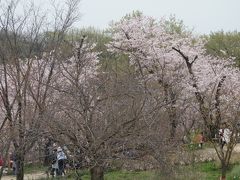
<point>224,135</point>
<point>9,163</point>
<point>58,162</point>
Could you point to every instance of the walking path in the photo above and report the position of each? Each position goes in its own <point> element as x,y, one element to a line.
<point>33,176</point>
<point>237,148</point>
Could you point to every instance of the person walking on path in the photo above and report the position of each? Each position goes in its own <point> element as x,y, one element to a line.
<point>225,135</point>
<point>200,140</point>
<point>54,163</point>
<point>61,157</point>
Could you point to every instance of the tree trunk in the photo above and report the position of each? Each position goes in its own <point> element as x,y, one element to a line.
<point>97,173</point>
<point>19,167</point>
<point>213,130</point>
<point>170,97</point>
<point>224,171</point>
<point>47,153</point>
<point>173,126</point>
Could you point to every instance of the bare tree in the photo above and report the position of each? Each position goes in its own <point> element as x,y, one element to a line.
<point>22,37</point>
<point>99,114</point>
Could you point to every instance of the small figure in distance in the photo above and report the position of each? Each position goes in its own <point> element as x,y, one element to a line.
<point>224,134</point>
<point>201,140</point>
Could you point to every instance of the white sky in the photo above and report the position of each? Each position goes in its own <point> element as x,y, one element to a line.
<point>202,15</point>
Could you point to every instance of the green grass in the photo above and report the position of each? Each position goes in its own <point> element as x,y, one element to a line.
<point>33,168</point>
<point>199,171</point>
<point>127,175</point>
<point>208,170</point>
<point>29,169</point>
<point>234,173</point>
<point>115,175</point>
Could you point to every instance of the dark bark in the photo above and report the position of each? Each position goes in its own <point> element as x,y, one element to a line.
<point>19,166</point>
<point>47,153</point>
<point>213,130</point>
<point>209,123</point>
<point>170,100</point>
<point>97,173</point>
<point>217,101</point>
<point>223,171</point>
<point>199,96</point>
<point>173,114</point>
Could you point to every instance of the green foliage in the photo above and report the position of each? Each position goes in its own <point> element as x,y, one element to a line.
<point>174,25</point>
<point>136,13</point>
<point>109,62</point>
<point>235,173</point>
<point>224,44</point>
<point>99,37</point>
<point>18,44</point>
<point>91,36</point>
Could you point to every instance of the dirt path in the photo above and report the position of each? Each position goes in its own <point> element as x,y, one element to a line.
<point>33,176</point>
<point>209,154</point>
<point>237,148</point>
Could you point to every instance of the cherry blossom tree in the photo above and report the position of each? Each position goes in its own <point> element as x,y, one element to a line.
<point>178,62</point>
<point>148,46</point>
<point>215,83</point>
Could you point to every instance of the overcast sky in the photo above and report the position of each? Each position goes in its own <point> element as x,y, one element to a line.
<point>202,15</point>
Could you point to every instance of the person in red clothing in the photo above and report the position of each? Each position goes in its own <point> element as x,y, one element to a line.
<point>13,162</point>
<point>199,139</point>
<point>1,161</point>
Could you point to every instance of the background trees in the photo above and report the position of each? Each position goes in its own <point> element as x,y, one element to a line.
<point>135,89</point>
<point>151,47</point>
<point>224,44</point>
